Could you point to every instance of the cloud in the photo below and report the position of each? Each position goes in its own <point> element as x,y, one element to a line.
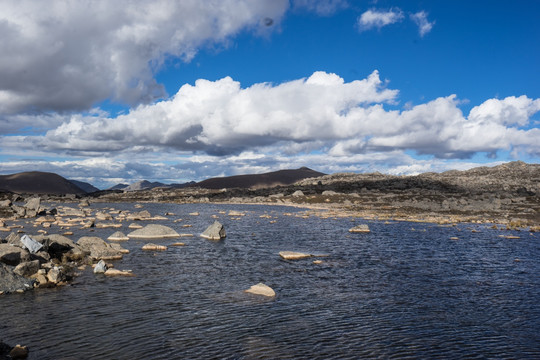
<point>378,19</point>
<point>319,114</point>
<point>420,19</point>
<point>321,7</point>
<point>68,55</point>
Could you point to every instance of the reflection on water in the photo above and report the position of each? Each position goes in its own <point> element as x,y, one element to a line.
<point>404,290</point>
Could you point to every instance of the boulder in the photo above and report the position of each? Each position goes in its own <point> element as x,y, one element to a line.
<point>27,268</point>
<point>119,248</point>
<point>30,244</point>
<point>100,268</point>
<point>13,255</point>
<point>59,246</point>
<point>298,193</point>
<point>19,352</point>
<point>32,207</point>
<point>261,289</point>
<point>363,228</point>
<point>154,231</point>
<point>5,203</point>
<point>216,231</point>
<point>11,282</point>
<point>141,215</point>
<point>118,236</point>
<point>98,248</point>
<point>291,255</point>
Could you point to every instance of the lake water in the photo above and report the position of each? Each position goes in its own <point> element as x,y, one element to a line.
<point>405,290</point>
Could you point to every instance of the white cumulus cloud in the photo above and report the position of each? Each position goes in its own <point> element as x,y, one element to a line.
<point>420,19</point>
<point>377,18</point>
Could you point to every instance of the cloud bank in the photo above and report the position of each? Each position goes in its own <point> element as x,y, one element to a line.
<point>321,113</point>
<point>68,55</point>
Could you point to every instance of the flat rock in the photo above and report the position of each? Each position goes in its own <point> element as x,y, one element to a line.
<point>98,248</point>
<point>154,247</point>
<point>261,289</point>
<point>118,236</point>
<point>154,231</point>
<point>291,255</point>
<point>116,272</point>
<point>363,228</point>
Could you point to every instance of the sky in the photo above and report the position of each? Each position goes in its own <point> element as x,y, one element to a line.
<point>114,92</point>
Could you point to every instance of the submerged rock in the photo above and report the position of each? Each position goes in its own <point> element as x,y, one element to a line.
<point>216,231</point>
<point>363,228</point>
<point>261,289</point>
<point>154,231</point>
<point>154,247</point>
<point>118,236</point>
<point>116,272</point>
<point>291,255</point>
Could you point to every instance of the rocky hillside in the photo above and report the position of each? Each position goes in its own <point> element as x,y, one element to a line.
<point>275,178</point>
<point>37,182</point>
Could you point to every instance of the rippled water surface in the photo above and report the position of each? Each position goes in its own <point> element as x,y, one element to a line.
<point>405,290</point>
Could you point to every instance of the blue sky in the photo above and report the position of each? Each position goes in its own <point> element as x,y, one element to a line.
<point>178,91</point>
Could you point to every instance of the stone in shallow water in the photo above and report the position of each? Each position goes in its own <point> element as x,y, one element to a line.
<point>116,272</point>
<point>216,231</point>
<point>292,255</point>
<point>261,289</point>
<point>363,228</point>
<point>154,247</point>
<point>118,236</point>
<point>154,231</point>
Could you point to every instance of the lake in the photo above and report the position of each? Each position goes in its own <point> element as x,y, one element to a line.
<point>405,290</point>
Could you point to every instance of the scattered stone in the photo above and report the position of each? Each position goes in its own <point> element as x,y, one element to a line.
<point>19,352</point>
<point>363,228</point>
<point>116,272</point>
<point>27,268</point>
<point>154,247</point>
<point>100,268</point>
<point>236,213</point>
<point>291,255</point>
<point>154,231</point>
<point>135,226</point>
<point>118,236</point>
<point>216,231</point>
<point>261,289</point>
<point>317,262</point>
<point>178,244</point>
<point>194,214</point>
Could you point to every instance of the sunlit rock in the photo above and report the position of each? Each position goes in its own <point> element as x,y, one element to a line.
<point>261,289</point>
<point>154,231</point>
<point>154,247</point>
<point>216,231</point>
<point>291,255</point>
<point>362,228</point>
<point>118,236</point>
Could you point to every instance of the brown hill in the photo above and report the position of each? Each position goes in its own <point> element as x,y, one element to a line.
<point>37,182</point>
<point>275,178</point>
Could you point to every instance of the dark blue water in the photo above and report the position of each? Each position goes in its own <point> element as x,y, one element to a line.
<point>405,290</point>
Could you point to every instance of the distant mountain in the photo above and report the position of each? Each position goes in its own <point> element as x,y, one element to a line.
<point>37,182</point>
<point>89,188</point>
<point>118,187</point>
<point>143,185</point>
<point>270,179</point>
